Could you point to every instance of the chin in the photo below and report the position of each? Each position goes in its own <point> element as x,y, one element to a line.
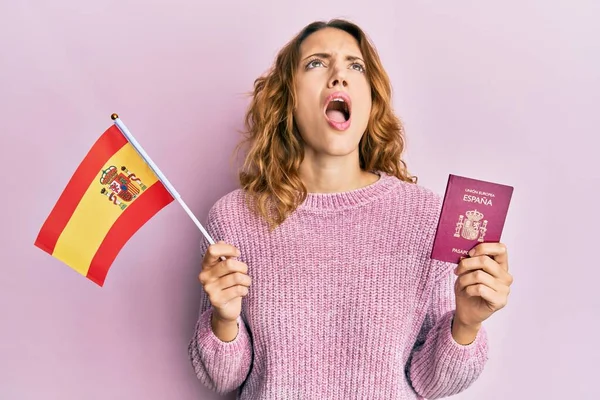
<point>336,148</point>
<point>326,140</point>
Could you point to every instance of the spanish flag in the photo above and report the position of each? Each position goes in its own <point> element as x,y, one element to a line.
<point>110,196</point>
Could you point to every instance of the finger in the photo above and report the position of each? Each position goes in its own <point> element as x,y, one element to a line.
<point>230,265</point>
<point>223,297</point>
<point>478,277</point>
<point>216,288</point>
<point>233,293</point>
<point>220,249</point>
<point>234,279</point>
<point>484,263</point>
<point>497,251</point>
<point>495,300</point>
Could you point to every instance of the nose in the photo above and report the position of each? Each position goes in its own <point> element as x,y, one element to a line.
<point>337,79</point>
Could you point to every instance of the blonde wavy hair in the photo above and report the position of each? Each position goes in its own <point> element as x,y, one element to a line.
<point>269,174</point>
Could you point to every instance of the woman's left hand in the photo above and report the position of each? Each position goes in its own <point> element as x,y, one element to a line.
<point>483,284</point>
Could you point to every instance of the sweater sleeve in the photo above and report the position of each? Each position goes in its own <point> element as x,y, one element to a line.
<point>439,366</point>
<point>221,366</point>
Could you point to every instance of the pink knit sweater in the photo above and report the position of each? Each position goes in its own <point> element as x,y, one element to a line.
<point>345,302</point>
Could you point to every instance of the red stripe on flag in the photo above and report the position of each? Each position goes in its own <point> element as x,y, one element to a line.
<point>111,141</point>
<point>137,214</point>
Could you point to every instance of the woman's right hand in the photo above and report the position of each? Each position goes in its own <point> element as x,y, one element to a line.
<point>224,281</point>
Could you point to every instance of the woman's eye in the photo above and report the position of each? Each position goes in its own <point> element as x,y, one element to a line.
<point>358,67</point>
<point>314,63</point>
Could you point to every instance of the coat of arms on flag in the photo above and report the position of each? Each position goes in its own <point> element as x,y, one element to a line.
<point>120,187</point>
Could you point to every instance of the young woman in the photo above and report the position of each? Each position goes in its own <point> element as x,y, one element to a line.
<point>321,285</point>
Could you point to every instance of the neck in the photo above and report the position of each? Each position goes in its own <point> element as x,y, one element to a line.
<point>334,176</point>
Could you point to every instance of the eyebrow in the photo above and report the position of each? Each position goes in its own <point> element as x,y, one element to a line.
<point>327,56</point>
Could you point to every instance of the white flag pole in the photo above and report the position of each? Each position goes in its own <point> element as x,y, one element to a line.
<point>159,174</point>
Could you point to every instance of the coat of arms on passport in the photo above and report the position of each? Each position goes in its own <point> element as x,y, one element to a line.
<point>473,212</point>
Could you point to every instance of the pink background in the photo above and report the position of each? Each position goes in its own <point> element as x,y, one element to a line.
<point>507,92</point>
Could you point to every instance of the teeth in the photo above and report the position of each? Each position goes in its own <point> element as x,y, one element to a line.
<point>342,100</point>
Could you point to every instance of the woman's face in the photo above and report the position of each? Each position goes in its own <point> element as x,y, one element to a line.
<point>333,94</point>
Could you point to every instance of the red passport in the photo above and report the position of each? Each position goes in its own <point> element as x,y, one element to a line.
<point>473,212</point>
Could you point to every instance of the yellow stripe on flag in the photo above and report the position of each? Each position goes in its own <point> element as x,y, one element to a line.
<point>95,214</point>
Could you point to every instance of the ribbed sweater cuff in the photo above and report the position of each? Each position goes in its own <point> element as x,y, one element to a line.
<point>474,352</point>
<point>209,342</point>
<point>222,366</point>
<point>444,367</point>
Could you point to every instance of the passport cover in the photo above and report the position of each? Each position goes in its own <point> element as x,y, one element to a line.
<point>473,212</point>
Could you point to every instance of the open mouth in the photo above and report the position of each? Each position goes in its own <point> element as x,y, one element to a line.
<point>338,110</point>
